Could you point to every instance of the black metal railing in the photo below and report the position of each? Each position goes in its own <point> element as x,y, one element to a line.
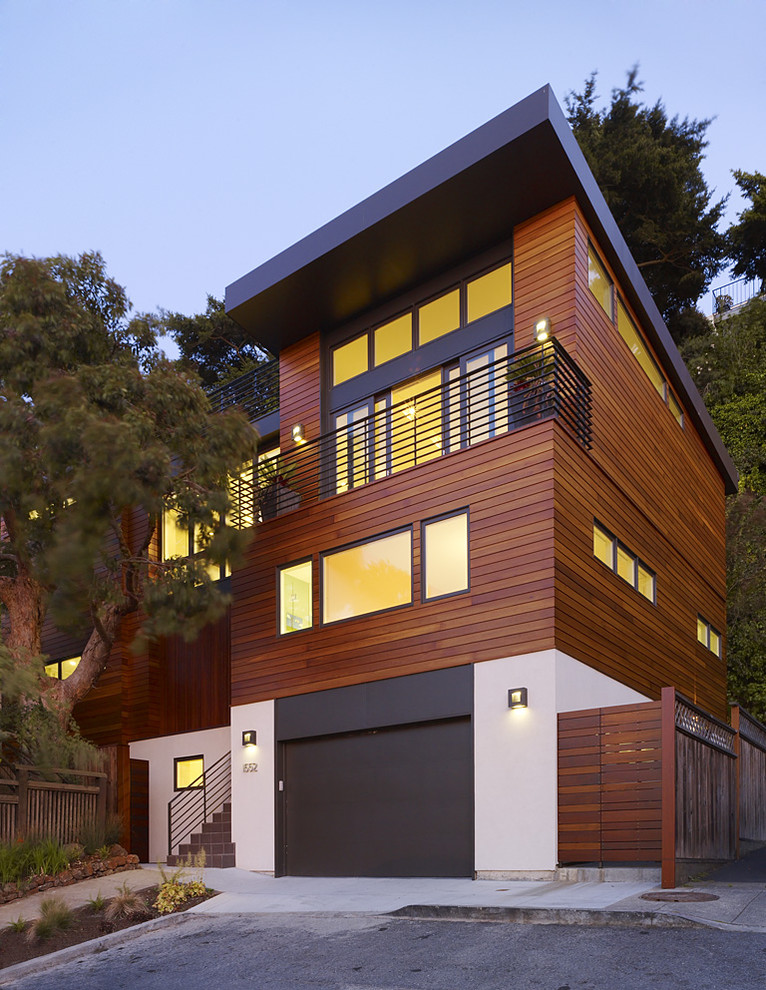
<point>198,802</point>
<point>729,297</point>
<point>257,392</point>
<point>505,395</point>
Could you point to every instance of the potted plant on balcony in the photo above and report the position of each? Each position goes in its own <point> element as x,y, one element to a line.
<point>275,495</point>
<point>529,383</point>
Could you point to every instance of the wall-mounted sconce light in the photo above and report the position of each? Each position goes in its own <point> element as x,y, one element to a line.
<point>248,737</point>
<point>517,698</point>
<point>542,329</point>
<point>299,433</point>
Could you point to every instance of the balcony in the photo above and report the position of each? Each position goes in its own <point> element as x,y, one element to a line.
<point>730,298</point>
<point>257,392</point>
<point>531,385</point>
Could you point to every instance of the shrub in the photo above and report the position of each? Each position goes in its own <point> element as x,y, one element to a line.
<point>18,925</point>
<point>48,856</point>
<point>94,837</point>
<point>19,860</point>
<point>74,851</point>
<point>126,903</point>
<point>96,904</point>
<point>55,916</point>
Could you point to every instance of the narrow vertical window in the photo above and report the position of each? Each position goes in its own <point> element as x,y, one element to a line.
<point>295,598</point>
<point>599,283</point>
<point>445,553</point>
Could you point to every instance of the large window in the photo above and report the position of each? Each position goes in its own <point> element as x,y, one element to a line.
<point>445,556</point>
<point>368,577</point>
<point>428,320</point>
<point>618,558</point>
<point>295,597</point>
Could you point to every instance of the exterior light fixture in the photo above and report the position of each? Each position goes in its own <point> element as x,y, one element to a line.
<point>542,329</point>
<point>517,698</point>
<point>248,737</point>
<point>299,433</point>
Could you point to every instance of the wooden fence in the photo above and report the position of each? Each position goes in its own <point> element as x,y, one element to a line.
<point>32,805</point>
<point>659,782</point>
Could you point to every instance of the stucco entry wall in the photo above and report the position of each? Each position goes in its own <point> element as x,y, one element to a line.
<point>212,744</point>
<point>252,790</point>
<point>515,755</point>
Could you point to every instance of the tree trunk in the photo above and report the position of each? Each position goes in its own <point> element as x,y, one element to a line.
<point>24,601</point>
<point>95,657</point>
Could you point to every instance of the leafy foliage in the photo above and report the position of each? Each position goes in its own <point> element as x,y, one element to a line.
<point>747,237</point>
<point>216,347</point>
<point>98,435</point>
<point>649,169</point>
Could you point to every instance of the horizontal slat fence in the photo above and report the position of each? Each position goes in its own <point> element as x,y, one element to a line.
<point>31,805</point>
<point>752,775</point>
<point>659,782</point>
<point>609,784</point>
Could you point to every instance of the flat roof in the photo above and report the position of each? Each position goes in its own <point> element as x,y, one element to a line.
<point>463,200</point>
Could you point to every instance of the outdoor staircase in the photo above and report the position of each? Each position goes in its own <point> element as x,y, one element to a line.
<point>214,838</point>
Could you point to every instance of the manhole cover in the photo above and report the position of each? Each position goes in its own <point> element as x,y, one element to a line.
<point>679,895</point>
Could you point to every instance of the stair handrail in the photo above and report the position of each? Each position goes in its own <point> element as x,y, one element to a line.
<point>198,802</point>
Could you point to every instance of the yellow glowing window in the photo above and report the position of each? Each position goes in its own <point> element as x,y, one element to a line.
<point>416,421</point>
<point>626,565</point>
<point>445,544</point>
<point>352,448</point>
<point>350,360</point>
<point>393,338</point>
<point>188,772</point>
<point>702,628</point>
<point>633,339</point>
<point>645,580</point>
<point>175,538</point>
<point>489,292</point>
<point>675,408</point>
<point>603,546</point>
<point>62,668</point>
<point>599,282</point>
<point>295,599</point>
<point>715,642</point>
<point>439,317</point>
<point>367,578</point>
<point>241,495</point>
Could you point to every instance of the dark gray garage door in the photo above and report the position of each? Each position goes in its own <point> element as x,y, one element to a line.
<point>391,802</point>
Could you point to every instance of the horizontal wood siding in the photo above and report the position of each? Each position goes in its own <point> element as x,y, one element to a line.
<point>647,480</point>
<point>609,789</point>
<point>299,391</point>
<point>506,483</point>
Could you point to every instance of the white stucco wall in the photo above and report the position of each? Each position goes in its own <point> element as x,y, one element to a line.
<point>515,756</point>
<point>161,752</point>
<point>253,792</point>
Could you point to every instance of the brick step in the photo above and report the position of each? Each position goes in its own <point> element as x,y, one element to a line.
<point>211,848</point>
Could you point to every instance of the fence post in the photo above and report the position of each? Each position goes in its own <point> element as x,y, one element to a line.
<point>101,802</point>
<point>668,724</point>
<point>22,809</point>
<point>737,750</point>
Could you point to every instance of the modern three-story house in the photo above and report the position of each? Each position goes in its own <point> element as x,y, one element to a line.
<point>490,494</point>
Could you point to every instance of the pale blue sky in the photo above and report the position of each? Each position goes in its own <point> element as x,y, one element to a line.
<point>190,140</point>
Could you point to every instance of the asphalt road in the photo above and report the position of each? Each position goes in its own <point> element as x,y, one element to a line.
<point>300,952</point>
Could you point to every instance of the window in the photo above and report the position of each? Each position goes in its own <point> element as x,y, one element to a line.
<point>349,360</point>
<point>62,668</point>
<point>631,336</point>
<point>708,636</point>
<point>489,292</point>
<point>426,321</point>
<point>445,556</point>
<point>618,558</point>
<point>187,772</point>
<point>368,577</point>
<point>439,317</point>
<point>599,282</point>
<point>295,598</point>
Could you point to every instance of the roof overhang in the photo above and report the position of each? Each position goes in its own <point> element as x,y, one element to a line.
<point>460,202</point>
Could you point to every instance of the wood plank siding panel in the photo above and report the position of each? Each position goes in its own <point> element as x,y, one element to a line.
<point>656,490</point>
<point>300,391</point>
<point>507,484</point>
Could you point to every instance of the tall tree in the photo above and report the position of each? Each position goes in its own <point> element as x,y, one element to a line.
<point>98,435</point>
<point>213,344</point>
<point>747,237</point>
<point>649,169</point>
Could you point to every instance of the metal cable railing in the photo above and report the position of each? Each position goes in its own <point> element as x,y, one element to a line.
<point>198,802</point>
<point>508,394</point>
<point>257,392</point>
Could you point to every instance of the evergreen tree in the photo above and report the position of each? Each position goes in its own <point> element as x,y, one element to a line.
<point>747,237</point>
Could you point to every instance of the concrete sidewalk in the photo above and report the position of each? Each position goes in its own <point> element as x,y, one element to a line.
<point>738,906</point>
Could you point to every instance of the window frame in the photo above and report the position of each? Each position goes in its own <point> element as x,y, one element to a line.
<point>58,663</point>
<point>617,545</point>
<point>187,759</point>
<point>710,629</point>
<point>612,291</point>
<point>463,511</point>
<point>408,528</point>
<point>278,572</point>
